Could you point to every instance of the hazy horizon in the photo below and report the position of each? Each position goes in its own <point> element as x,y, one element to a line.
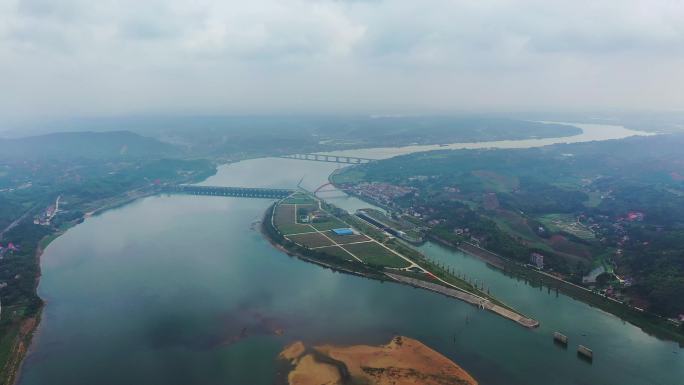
<point>123,58</point>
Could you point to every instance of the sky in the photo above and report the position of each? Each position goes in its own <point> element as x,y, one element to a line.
<point>61,58</point>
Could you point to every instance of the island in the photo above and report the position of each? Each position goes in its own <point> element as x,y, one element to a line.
<point>402,361</point>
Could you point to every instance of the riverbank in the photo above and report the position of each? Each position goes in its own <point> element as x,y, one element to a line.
<point>27,327</point>
<point>22,333</point>
<point>272,235</point>
<point>415,274</point>
<point>469,298</point>
<point>653,325</point>
<point>17,337</point>
<point>241,280</point>
<point>403,361</point>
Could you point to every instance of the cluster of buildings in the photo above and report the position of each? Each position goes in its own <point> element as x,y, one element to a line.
<point>6,249</point>
<point>46,216</point>
<point>383,193</point>
<point>313,217</point>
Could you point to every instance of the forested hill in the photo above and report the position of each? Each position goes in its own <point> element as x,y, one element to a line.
<point>89,145</point>
<point>617,204</point>
<point>654,159</point>
<point>247,136</point>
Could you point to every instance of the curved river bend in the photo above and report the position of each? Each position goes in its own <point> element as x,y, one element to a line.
<point>184,290</point>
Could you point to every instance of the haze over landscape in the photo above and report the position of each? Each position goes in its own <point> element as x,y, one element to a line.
<point>80,58</point>
<point>341,192</point>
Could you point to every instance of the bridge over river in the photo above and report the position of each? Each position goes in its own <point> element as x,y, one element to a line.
<point>329,158</point>
<point>240,192</point>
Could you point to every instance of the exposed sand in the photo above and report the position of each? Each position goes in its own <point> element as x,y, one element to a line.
<point>293,351</point>
<point>404,361</point>
<point>311,372</point>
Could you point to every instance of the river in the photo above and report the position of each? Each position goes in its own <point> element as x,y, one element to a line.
<point>185,290</point>
<point>590,132</point>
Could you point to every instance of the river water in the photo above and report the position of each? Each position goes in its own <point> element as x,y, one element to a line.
<point>185,290</point>
<point>590,132</point>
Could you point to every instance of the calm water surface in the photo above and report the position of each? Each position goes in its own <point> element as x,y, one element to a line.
<point>184,290</point>
<point>590,132</point>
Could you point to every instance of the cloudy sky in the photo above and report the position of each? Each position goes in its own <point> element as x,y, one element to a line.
<point>105,57</point>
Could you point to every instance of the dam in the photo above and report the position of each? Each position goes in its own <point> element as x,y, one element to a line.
<point>237,192</point>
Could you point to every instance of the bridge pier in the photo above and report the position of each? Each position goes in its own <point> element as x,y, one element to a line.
<point>329,158</point>
<point>240,192</point>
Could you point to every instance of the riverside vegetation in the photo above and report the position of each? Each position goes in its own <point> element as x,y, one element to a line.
<point>91,171</point>
<point>303,225</point>
<point>613,207</point>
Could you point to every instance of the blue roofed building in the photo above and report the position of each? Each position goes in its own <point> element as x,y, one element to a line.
<point>344,231</point>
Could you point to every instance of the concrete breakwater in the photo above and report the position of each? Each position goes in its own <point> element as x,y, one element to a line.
<point>469,298</point>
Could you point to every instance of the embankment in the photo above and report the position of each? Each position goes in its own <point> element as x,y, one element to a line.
<point>652,324</point>
<point>480,302</point>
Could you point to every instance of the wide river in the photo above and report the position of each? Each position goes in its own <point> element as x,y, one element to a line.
<point>185,290</point>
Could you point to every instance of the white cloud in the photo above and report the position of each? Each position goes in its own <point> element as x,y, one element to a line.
<point>115,57</point>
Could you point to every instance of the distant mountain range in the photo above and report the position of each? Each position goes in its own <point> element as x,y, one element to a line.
<point>90,145</point>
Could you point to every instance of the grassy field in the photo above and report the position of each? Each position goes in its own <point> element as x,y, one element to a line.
<point>300,199</point>
<point>594,199</point>
<point>369,251</point>
<point>521,230</point>
<point>343,239</point>
<point>374,254</point>
<point>284,219</point>
<point>337,251</point>
<point>566,223</point>
<point>329,224</point>
<point>311,240</point>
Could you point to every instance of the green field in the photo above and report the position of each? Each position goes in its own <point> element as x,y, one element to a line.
<point>373,253</point>
<point>343,239</point>
<point>300,199</point>
<point>369,251</point>
<point>566,223</point>
<point>284,220</point>
<point>520,229</point>
<point>329,224</point>
<point>337,251</point>
<point>594,199</point>
<point>311,240</point>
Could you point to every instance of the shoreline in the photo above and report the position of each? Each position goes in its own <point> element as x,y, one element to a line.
<point>23,342</point>
<point>401,361</point>
<point>25,338</point>
<point>490,304</point>
<point>300,256</point>
<point>650,324</point>
<point>34,330</point>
